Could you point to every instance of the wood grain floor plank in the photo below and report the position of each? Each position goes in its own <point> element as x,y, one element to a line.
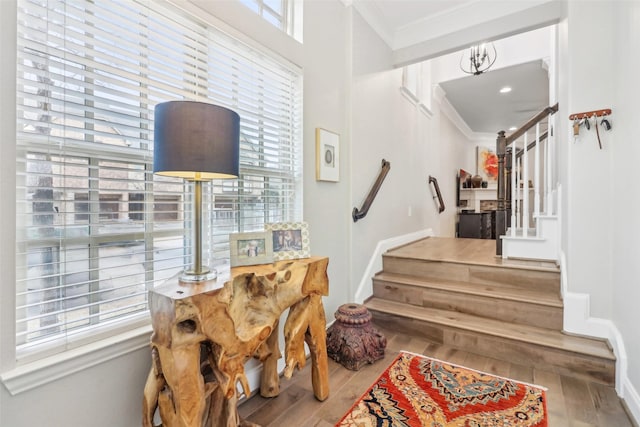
<point>556,406</point>
<point>608,407</point>
<point>497,367</point>
<point>578,400</point>
<point>293,397</point>
<point>521,373</point>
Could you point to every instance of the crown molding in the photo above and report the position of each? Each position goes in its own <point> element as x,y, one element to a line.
<point>440,97</point>
<point>374,17</point>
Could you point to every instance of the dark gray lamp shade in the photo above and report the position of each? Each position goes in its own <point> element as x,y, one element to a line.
<point>196,141</point>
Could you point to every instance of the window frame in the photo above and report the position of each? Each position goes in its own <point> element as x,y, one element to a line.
<point>30,373</point>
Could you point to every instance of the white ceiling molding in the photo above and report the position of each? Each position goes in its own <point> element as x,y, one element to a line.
<point>447,109</point>
<point>459,18</point>
<point>374,17</point>
<point>539,16</point>
<point>438,94</point>
<point>440,97</point>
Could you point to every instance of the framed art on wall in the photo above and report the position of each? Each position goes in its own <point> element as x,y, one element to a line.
<point>251,248</point>
<point>290,240</point>
<point>487,162</point>
<point>327,155</point>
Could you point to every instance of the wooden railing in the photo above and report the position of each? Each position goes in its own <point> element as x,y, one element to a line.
<point>362,212</point>
<point>515,180</point>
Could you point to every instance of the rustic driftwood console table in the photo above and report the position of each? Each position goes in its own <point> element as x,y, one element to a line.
<point>204,332</point>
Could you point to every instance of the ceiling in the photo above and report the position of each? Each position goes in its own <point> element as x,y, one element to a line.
<point>476,98</point>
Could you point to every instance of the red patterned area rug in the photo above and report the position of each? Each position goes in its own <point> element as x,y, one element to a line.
<point>416,391</point>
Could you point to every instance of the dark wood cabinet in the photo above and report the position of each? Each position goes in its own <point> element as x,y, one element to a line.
<point>475,225</point>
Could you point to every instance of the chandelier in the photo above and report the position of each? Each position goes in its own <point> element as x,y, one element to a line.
<point>479,60</point>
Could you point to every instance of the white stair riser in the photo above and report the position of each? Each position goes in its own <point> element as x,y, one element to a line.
<point>544,246</point>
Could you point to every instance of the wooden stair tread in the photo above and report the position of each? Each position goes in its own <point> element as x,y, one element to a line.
<point>528,295</point>
<point>529,334</point>
<point>466,251</point>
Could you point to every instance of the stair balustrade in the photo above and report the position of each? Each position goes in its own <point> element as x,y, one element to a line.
<point>520,177</point>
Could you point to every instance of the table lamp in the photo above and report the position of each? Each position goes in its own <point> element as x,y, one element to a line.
<point>198,142</point>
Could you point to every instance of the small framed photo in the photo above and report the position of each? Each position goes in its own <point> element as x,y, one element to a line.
<point>251,248</point>
<point>290,240</point>
<point>327,155</point>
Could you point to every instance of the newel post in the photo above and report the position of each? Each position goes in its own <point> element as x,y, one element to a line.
<point>501,213</point>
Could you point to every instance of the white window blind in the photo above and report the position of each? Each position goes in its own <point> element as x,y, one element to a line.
<point>96,229</point>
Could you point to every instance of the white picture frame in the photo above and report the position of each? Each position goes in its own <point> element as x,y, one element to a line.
<point>327,155</point>
<point>250,248</point>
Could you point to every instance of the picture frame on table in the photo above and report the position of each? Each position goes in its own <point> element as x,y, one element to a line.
<point>250,248</point>
<point>327,155</point>
<point>290,240</point>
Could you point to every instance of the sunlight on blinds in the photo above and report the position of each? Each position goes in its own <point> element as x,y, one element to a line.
<point>96,229</point>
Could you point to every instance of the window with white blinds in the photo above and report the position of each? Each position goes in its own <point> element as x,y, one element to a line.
<point>96,229</point>
<point>277,12</point>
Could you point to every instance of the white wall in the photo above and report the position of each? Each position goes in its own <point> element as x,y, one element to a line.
<point>449,151</point>
<point>107,395</point>
<point>385,125</point>
<point>589,188</point>
<point>600,236</point>
<point>625,154</point>
<point>326,100</point>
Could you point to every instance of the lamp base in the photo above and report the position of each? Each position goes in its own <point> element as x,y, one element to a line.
<point>200,276</point>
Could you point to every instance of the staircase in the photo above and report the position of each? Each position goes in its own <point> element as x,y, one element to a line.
<point>450,291</point>
<point>528,200</point>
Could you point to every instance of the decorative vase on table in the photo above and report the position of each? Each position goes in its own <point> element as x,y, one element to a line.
<point>476,181</point>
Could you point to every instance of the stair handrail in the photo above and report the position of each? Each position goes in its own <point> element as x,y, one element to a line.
<point>531,123</point>
<point>362,212</point>
<point>502,143</point>
<point>434,181</point>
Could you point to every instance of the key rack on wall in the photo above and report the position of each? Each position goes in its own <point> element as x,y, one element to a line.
<point>590,114</point>
<point>584,119</point>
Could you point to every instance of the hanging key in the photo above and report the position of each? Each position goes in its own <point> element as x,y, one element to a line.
<point>576,129</point>
<point>595,119</point>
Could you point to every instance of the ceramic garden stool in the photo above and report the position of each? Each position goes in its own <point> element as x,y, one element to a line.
<point>352,341</point>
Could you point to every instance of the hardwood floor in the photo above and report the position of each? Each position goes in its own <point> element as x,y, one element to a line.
<point>571,402</point>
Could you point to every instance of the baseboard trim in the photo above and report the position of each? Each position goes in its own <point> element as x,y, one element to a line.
<point>631,400</point>
<point>577,320</point>
<point>365,288</point>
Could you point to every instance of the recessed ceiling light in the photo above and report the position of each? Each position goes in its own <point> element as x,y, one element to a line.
<point>513,128</point>
<point>505,89</point>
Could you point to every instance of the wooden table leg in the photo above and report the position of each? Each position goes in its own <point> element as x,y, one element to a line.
<point>186,401</point>
<point>316,339</point>
<point>269,378</point>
